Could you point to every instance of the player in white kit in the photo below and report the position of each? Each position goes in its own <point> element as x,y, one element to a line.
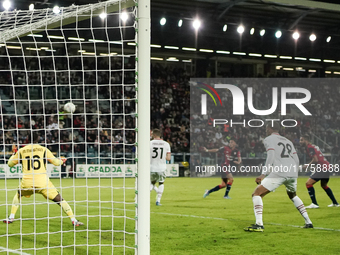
<point>281,168</point>
<point>160,152</point>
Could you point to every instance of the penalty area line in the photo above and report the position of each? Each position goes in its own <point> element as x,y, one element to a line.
<point>3,249</point>
<point>215,218</point>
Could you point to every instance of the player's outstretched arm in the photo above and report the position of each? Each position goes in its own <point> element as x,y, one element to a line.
<point>13,160</point>
<point>211,150</point>
<point>53,160</point>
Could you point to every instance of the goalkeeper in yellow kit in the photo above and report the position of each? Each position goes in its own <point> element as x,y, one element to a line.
<point>34,158</point>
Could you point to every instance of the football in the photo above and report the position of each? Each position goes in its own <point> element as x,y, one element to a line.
<point>69,107</point>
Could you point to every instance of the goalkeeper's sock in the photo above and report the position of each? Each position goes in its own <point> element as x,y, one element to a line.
<point>301,208</point>
<point>15,206</point>
<point>218,187</point>
<point>67,209</point>
<point>160,193</point>
<point>228,189</point>
<point>258,209</point>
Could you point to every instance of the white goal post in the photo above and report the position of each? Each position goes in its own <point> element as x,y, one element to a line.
<point>90,56</point>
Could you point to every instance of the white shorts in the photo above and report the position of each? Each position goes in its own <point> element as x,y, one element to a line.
<point>272,183</point>
<point>157,176</point>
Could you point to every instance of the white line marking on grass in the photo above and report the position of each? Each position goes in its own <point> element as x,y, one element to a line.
<point>13,251</point>
<point>214,218</point>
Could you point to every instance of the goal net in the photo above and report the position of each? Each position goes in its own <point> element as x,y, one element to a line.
<point>90,56</point>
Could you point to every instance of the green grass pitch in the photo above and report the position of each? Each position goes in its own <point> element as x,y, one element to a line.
<point>185,224</point>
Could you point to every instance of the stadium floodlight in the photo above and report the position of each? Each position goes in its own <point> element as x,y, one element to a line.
<point>171,47</point>
<point>252,31</point>
<point>286,57</point>
<point>255,55</point>
<point>262,32</point>
<point>328,39</point>
<point>180,23</point>
<point>162,21</point>
<point>172,59</point>
<point>296,35</point>
<point>206,50</point>
<point>312,37</point>
<point>300,58</point>
<point>239,53</point>
<point>31,7</point>
<point>6,4</point>
<point>35,35</point>
<point>278,34</point>
<point>225,27</point>
<point>315,59</point>
<point>13,47</point>
<point>223,52</point>
<point>124,16</point>
<point>196,24</point>
<point>30,48</point>
<point>270,56</point>
<point>188,49</point>
<point>55,37</point>
<point>156,58</point>
<point>96,40</point>
<point>56,9</point>
<point>116,42</point>
<point>103,15</point>
<point>113,204</point>
<point>240,29</point>
<point>76,39</point>
<point>329,61</point>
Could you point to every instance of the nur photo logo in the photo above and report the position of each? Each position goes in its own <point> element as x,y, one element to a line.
<point>244,101</point>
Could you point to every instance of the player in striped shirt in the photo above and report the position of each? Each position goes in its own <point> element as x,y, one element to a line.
<point>319,167</point>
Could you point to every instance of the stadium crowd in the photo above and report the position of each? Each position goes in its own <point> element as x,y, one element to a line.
<point>170,111</point>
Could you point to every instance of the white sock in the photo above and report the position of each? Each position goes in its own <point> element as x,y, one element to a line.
<point>301,208</point>
<point>258,209</point>
<point>73,219</point>
<point>160,192</point>
<point>12,216</point>
<point>155,188</point>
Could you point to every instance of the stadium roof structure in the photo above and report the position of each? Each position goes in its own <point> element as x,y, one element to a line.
<point>305,16</point>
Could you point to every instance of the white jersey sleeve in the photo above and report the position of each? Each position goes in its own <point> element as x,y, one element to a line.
<point>281,157</point>
<point>158,151</point>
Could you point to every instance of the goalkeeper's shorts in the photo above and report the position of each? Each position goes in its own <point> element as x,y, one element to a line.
<point>44,187</point>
